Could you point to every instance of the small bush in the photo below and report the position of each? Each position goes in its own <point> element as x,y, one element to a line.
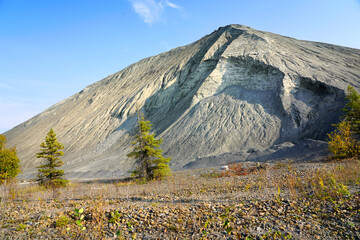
<point>236,169</point>
<point>115,217</point>
<point>78,213</point>
<point>326,187</point>
<point>21,227</point>
<point>212,174</point>
<point>62,221</point>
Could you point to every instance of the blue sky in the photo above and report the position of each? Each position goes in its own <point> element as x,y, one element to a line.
<point>52,49</point>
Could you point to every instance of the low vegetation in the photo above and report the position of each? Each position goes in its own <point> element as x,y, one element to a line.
<point>271,201</point>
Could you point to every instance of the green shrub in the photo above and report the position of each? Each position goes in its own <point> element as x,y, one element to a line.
<point>115,217</point>
<point>9,161</point>
<point>326,187</point>
<point>79,218</point>
<point>62,221</point>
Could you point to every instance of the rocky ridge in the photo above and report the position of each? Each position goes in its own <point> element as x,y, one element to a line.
<point>238,92</point>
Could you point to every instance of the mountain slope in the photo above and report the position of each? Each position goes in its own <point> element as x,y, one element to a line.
<point>237,90</point>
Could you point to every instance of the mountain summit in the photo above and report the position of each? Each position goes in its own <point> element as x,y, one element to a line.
<point>237,94</point>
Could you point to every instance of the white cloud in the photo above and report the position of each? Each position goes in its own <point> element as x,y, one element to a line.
<point>173,5</point>
<point>151,10</point>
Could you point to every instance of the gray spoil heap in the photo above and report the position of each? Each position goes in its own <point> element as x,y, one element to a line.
<point>237,94</point>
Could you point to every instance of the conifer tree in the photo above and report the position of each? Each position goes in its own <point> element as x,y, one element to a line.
<point>344,141</point>
<point>150,162</point>
<point>9,161</point>
<point>48,174</point>
<point>352,111</point>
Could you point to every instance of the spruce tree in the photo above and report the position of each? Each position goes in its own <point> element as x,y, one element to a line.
<point>344,141</point>
<point>48,174</point>
<point>149,160</point>
<point>352,110</point>
<point>9,161</point>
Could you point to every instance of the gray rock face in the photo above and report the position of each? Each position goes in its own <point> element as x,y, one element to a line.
<point>234,92</point>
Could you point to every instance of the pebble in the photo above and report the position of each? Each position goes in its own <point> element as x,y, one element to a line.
<point>186,219</point>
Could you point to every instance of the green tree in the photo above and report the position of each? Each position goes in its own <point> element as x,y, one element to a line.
<point>344,141</point>
<point>342,144</point>
<point>9,161</point>
<point>352,111</point>
<point>150,162</point>
<point>48,174</point>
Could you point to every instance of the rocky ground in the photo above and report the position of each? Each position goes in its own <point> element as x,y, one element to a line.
<point>279,201</point>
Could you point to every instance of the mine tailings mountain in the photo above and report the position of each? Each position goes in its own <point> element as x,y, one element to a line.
<point>235,95</point>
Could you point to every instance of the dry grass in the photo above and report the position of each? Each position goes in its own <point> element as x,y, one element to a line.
<point>30,211</point>
<point>293,180</point>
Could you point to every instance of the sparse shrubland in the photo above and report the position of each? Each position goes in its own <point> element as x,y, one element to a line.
<point>273,201</point>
